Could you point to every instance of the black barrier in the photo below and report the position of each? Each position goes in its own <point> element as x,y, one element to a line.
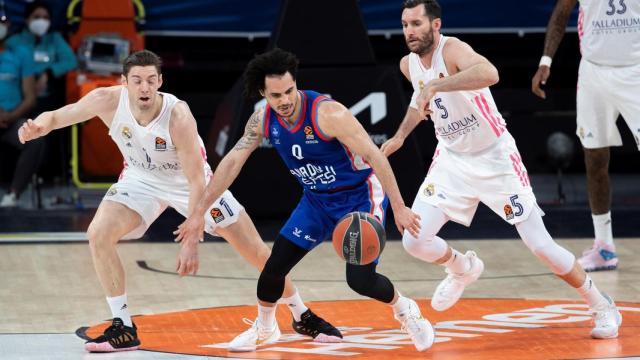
<point>373,93</point>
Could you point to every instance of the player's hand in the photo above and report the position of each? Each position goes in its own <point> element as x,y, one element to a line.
<point>392,145</point>
<point>406,219</point>
<point>188,259</point>
<point>30,130</point>
<point>191,230</point>
<point>426,94</point>
<point>540,78</point>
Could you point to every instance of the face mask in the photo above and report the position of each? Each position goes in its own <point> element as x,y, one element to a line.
<point>39,27</point>
<point>3,31</point>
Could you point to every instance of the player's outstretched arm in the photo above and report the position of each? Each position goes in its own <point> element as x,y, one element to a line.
<point>411,119</point>
<point>226,172</point>
<point>555,32</point>
<point>335,120</point>
<point>98,102</point>
<point>468,71</point>
<point>184,134</point>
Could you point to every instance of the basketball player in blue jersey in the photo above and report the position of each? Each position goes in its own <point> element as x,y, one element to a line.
<point>340,170</point>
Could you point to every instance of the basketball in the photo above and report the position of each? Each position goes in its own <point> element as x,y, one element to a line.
<point>359,238</point>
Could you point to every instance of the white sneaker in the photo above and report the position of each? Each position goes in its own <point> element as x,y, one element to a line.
<point>255,336</point>
<point>416,326</point>
<point>450,289</point>
<point>9,200</point>
<point>607,319</point>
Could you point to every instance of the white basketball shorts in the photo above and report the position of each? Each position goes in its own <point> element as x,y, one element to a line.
<point>149,200</point>
<point>604,93</point>
<point>496,176</point>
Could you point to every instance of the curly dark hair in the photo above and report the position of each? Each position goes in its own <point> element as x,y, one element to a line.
<point>141,58</point>
<point>431,7</point>
<point>273,62</point>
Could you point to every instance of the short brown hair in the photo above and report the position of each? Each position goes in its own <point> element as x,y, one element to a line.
<point>431,7</point>
<point>141,58</point>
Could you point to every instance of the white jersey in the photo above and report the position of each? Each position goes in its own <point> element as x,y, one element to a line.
<point>610,31</point>
<point>464,121</point>
<point>148,151</point>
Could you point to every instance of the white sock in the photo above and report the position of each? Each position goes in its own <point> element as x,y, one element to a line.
<point>119,308</point>
<point>267,316</point>
<point>590,293</point>
<point>602,228</point>
<point>295,305</point>
<point>401,306</point>
<point>458,263</point>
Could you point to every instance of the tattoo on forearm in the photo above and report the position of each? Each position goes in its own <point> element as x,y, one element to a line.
<point>556,29</point>
<point>251,135</point>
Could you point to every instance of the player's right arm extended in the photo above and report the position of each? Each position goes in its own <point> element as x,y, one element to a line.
<point>230,166</point>
<point>91,105</point>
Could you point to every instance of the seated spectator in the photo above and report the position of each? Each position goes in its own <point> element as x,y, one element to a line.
<point>17,98</point>
<point>52,55</point>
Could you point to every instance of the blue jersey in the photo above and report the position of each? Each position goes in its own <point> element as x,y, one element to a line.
<point>319,162</point>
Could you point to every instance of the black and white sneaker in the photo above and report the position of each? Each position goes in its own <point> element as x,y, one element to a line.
<point>320,330</point>
<point>117,337</point>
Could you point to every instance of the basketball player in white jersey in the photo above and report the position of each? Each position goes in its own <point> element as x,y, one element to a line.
<point>608,86</point>
<point>164,166</point>
<point>476,160</point>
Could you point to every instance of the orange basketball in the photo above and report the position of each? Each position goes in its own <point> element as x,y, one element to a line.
<point>359,238</point>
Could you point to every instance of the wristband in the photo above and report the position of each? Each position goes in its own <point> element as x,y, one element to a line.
<point>545,61</point>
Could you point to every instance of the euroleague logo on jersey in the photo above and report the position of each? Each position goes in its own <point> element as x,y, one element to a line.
<point>487,328</point>
<point>161,144</point>
<point>311,139</point>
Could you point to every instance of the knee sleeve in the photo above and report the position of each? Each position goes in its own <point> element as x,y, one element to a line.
<point>284,256</point>
<point>427,247</point>
<point>364,280</point>
<point>538,240</point>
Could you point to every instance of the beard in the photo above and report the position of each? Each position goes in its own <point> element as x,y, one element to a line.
<point>423,45</point>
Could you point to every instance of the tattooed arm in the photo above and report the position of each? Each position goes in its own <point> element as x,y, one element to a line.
<point>555,32</point>
<point>225,174</point>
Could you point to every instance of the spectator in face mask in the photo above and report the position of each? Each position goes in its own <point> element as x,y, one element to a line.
<point>51,53</point>
<point>17,98</point>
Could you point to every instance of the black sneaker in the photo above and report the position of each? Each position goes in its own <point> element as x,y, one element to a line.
<point>312,325</point>
<point>116,337</point>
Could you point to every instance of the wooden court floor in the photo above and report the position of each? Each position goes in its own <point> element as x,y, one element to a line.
<point>49,290</point>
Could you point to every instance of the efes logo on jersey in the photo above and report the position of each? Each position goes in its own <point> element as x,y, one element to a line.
<point>430,190</point>
<point>217,215</point>
<point>508,212</point>
<point>161,144</point>
<point>126,132</point>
